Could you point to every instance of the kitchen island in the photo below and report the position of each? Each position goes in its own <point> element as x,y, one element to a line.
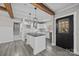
<point>37,41</point>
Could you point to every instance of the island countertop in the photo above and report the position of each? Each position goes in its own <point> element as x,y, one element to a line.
<point>35,34</point>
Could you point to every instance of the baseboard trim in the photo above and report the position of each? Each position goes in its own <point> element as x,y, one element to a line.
<point>77,53</point>
<point>8,41</point>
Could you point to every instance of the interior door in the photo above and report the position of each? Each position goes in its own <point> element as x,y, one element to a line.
<point>16,28</point>
<point>64,32</point>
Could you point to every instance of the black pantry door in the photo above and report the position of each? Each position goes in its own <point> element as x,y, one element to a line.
<point>64,32</point>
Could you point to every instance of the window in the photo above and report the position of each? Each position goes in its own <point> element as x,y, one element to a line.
<point>63,26</point>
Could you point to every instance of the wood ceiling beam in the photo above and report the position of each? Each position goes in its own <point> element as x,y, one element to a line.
<point>9,9</point>
<point>3,8</point>
<point>42,7</point>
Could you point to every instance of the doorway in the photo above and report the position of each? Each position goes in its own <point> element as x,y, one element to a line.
<point>64,32</point>
<point>16,28</point>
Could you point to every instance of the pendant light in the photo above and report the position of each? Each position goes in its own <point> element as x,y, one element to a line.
<point>35,20</point>
<point>29,18</point>
<point>29,21</point>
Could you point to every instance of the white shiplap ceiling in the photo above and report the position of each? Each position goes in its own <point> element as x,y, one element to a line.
<point>56,7</point>
<point>21,10</point>
<point>1,4</point>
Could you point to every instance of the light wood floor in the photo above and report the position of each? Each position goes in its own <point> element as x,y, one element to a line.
<point>19,48</point>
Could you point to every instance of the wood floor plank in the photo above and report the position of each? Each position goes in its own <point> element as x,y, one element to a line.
<point>19,48</point>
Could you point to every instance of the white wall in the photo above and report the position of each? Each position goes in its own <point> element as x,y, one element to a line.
<point>6,29</point>
<point>77,31</point>
<point>53,31</point>
<point>66,12</point>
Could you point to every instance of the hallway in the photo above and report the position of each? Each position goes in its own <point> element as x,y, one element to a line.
<point>18,48</point>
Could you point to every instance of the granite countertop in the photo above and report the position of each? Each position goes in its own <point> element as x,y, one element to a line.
<point>35,34</point>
